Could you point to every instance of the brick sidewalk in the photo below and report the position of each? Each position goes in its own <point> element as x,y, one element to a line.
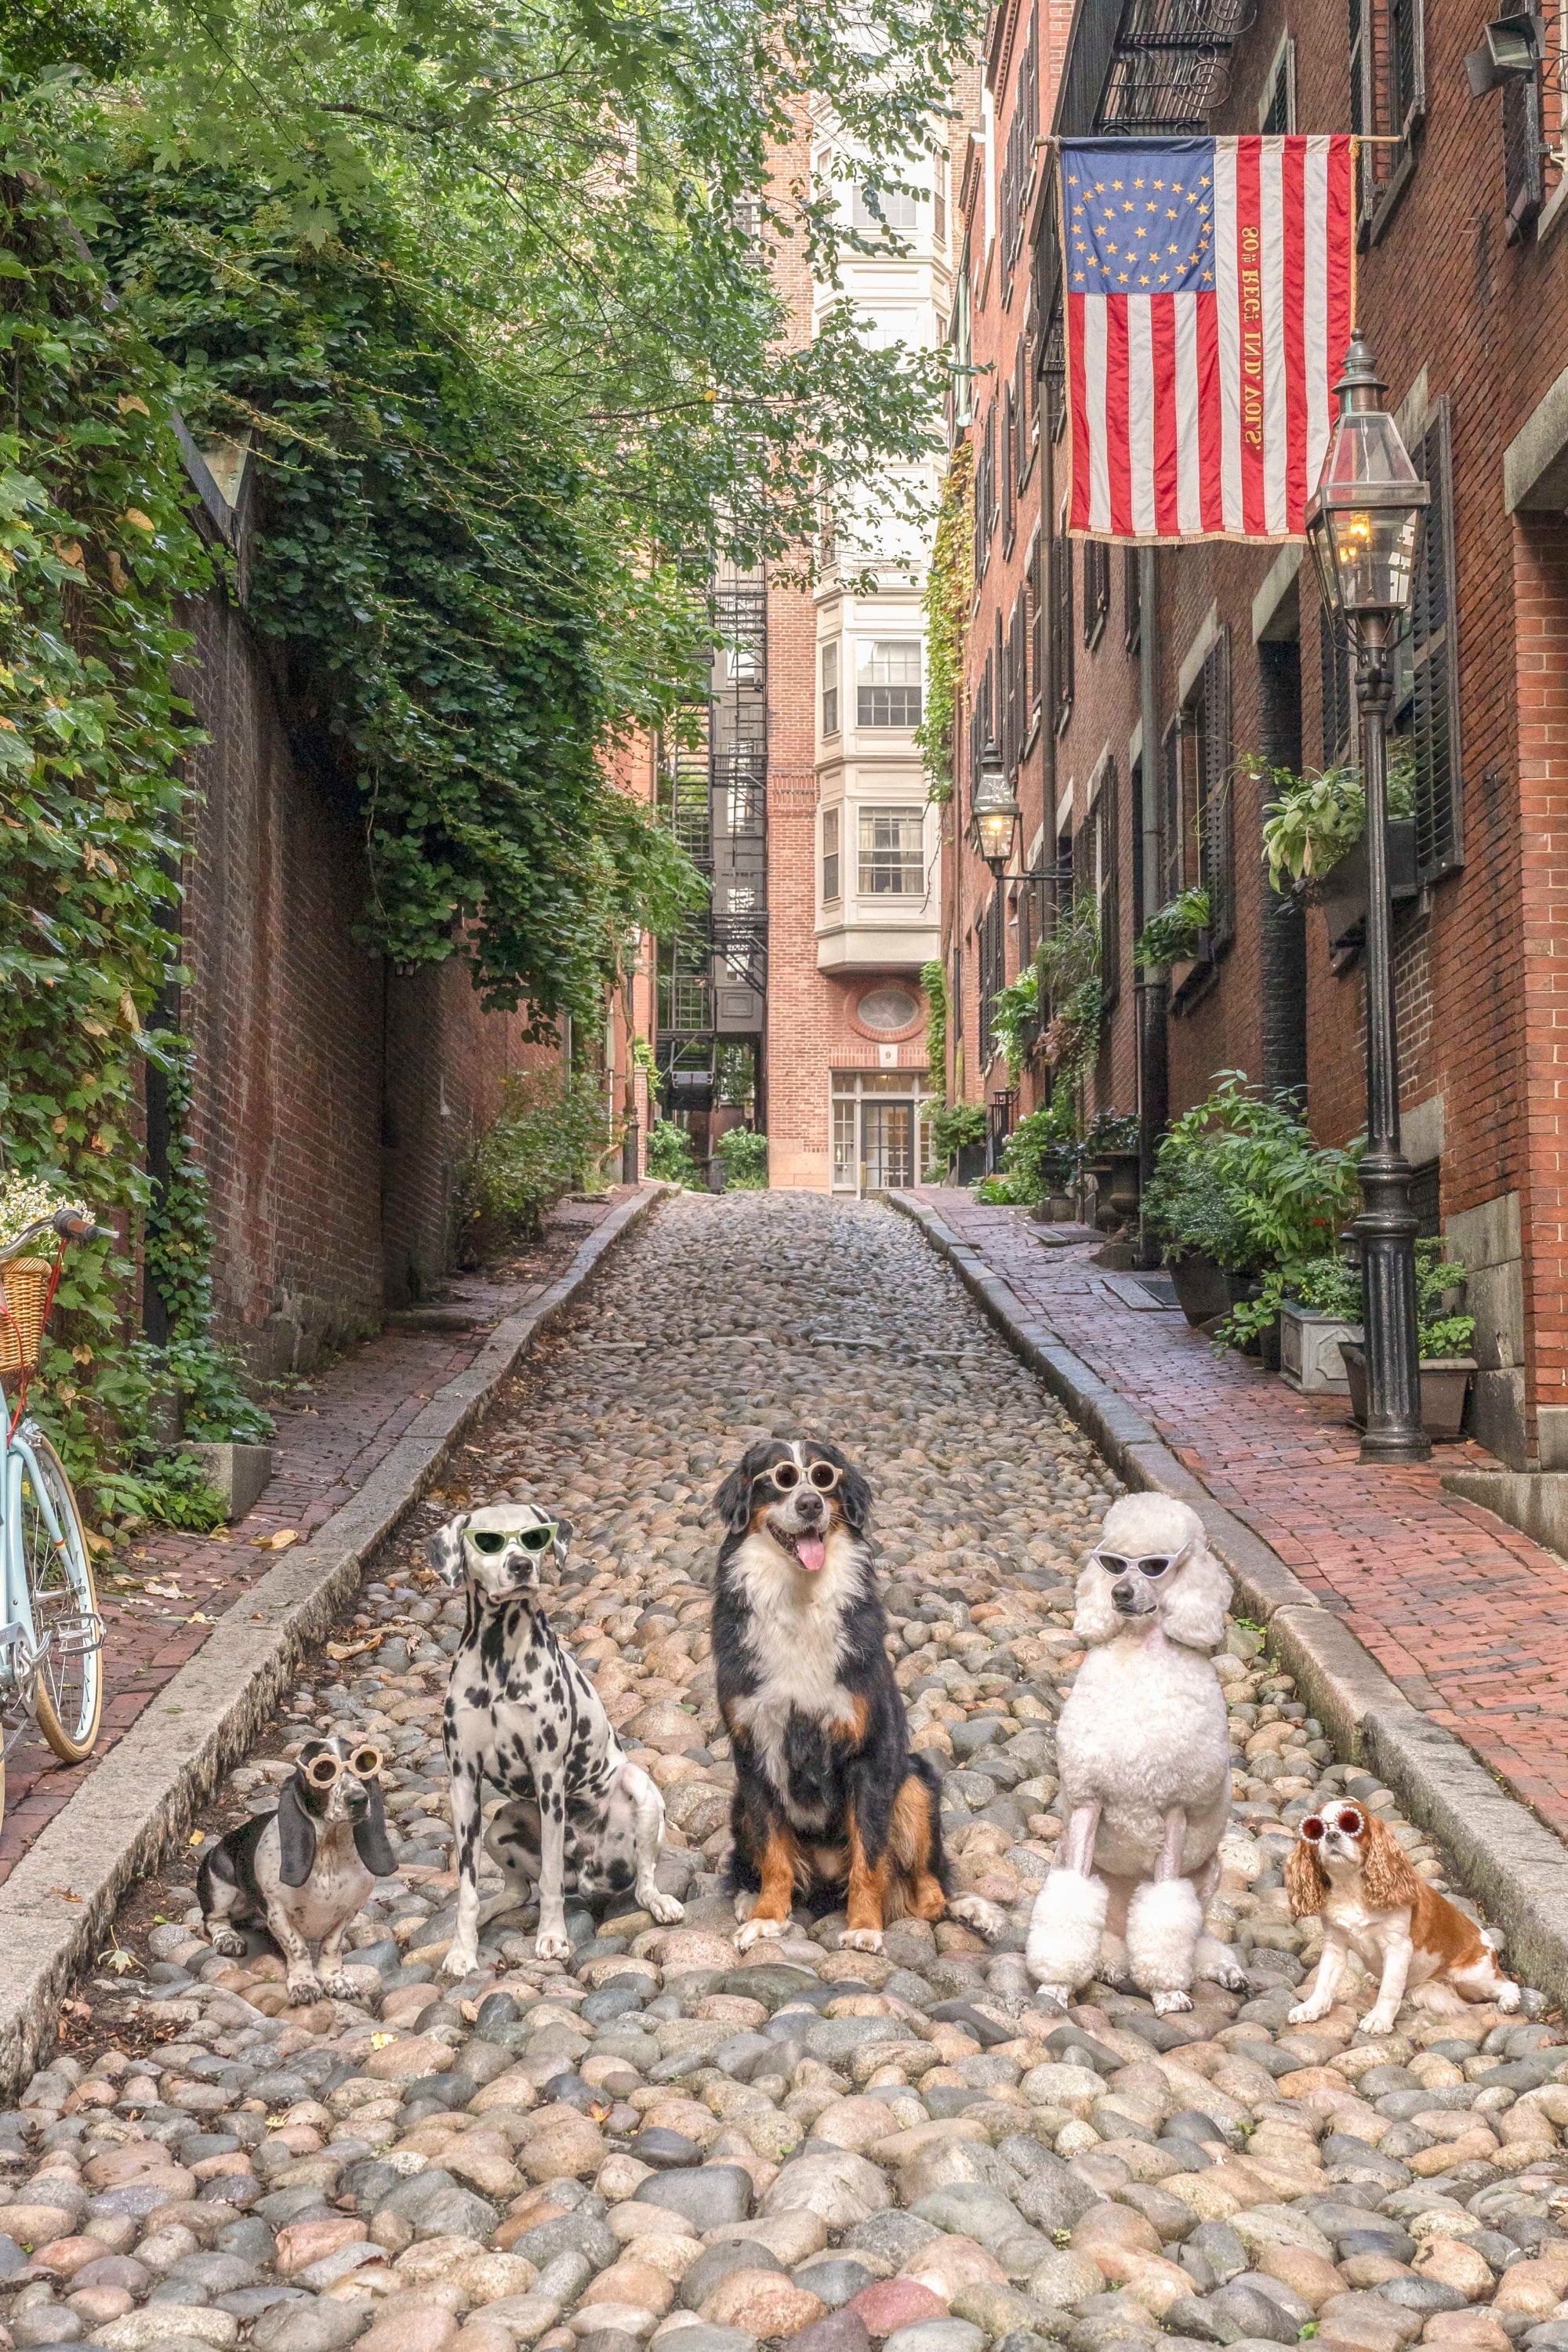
<point>328,1443</point>
<point>1468,1617</point>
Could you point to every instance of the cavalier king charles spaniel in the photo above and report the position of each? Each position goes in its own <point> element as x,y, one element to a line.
<point>1350,1866</point>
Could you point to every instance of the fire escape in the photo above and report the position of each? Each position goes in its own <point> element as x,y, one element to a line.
<point>713,976</point>
<point>1149,66</point>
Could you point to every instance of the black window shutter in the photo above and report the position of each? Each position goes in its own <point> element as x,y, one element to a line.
<point>1110,888</point>
<point>1213,781</point>
<point>1334,650</point>
<point>1523,153</point>
<point>1435,669</point>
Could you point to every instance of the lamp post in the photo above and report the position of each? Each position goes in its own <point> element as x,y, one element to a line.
<point>1362,520</point>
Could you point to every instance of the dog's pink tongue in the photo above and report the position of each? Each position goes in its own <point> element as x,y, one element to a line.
<point>813,1552</point>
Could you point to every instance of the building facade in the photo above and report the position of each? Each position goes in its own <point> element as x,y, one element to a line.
<point>1138,702</point>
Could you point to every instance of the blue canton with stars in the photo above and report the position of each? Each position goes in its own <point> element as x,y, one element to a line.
<point>1137,218</point>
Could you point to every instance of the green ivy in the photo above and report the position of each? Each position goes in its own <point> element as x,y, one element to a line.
<point>933,984</point>
<point>948,595</point>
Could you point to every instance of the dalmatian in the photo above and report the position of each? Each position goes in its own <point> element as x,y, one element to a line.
<point>305,1869</point>
<point>521,1713</point>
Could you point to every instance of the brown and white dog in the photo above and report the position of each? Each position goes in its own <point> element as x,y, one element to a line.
<point>1349,1865</point>
<point>828,1796</point>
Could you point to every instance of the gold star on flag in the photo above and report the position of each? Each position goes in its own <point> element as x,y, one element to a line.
<point>1100,187</point>
<point>1117,185</point>
<point>1143,281</point>
<point>1122,277</point>
<point>1203,179</point>
<point>1170,212</point>
<point>1165,277</point>
<point>1141,232</point>
<point>1208,277</point>
<point>1077,278</point>
<point>1158,184</point>
<point>1138,183</point>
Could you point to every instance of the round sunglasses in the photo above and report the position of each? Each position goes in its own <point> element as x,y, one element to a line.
<point>322,1770</point>
<point>787,1475</point>
<point>492,1541</point>
<point>1348,1818</point>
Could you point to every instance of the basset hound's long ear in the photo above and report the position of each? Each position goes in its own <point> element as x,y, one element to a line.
<point>1306,1880</point>
<point>371,1842</point>
<point>444,1549</point>
<point>296,1836</point>
<point>1386,1877</point>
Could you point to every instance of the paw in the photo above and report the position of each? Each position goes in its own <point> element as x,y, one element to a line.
<point>552,1944</point>
<point>1508,1999</point>
<point>224,1940</point>
<point>1171,2005</point>
<point>303,1986</point>
<point>340,1987</point>
<point>861,1940</point>
<point>753,1931</point>
<point>1378,2020</point>
<point>1060,1994</point>
<point>663,1907</point>
<point>1228,1973</point>
<point>461,1960</point>
<point>1306,2012</point>
<point>975,1911</point>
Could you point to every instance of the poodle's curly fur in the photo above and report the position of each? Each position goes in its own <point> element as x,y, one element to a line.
<point>1143,1733</point>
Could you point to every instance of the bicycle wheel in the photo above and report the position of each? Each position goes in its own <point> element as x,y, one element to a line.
<point>59,1584</point>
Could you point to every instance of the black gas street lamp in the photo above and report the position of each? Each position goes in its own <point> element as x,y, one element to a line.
<point>1364,521</point>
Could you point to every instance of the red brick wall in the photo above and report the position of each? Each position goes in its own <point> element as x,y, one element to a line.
<point>331,1095</point>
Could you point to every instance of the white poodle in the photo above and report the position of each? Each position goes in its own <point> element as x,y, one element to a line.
<point>1144,1752</point>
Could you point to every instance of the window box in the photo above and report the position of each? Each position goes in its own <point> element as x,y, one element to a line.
<point>1190,975</point>
<point>1310,1349</point>
<point>1445,1386</point>
<point>1341,892</point>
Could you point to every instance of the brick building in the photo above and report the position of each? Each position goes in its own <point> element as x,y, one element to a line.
<point>804,794</point>
<point>334,1094</point>
<point>1124,690</point>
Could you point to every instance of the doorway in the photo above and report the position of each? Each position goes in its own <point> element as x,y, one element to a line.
<point>878,1130</point>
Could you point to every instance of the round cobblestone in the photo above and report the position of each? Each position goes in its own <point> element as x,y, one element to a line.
<point>662,2136</point>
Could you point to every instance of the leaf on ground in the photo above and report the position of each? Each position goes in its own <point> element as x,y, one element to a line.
<point>279,1542</point>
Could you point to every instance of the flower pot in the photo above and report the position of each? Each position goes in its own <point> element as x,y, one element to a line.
<point>970,1164</point>
<point>1342,892</point>
<point>1445,1385</point>
<point>1310,1346</point>
<point>1204,1289</point>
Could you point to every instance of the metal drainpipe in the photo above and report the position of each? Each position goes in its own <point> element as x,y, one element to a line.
<point>1048,649</point>
<point>1150,996</point>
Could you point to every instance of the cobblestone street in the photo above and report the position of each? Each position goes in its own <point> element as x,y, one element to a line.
<point>834,2148</point>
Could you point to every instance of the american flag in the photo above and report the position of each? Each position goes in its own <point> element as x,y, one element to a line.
<point>1209,288</point>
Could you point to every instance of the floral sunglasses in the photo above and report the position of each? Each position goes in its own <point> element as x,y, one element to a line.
<point>1348,1818</point>
<point>322,1770</point>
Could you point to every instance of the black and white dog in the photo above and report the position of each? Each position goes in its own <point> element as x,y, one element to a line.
<point>521,1713</point>
<point>305,1869</point>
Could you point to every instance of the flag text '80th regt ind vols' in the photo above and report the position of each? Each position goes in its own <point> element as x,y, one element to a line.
<point>1209,286</point>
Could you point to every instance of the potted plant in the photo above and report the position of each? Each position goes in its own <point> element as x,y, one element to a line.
<point>1039,1160</point>
<point>1242,1196</point>
<point>1322,1311</point>
<point>1314,839</point>
<point>1176,940</point>
<point>1443,1338</point>
<point>957,1143</point>
<point>1111,1149</point>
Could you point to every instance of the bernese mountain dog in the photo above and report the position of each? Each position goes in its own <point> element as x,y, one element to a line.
<point>829,1802</point>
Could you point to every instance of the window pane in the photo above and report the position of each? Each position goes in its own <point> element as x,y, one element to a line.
<point>888,682</point>
<point>892,853</point>
<point>888,209</point>
<point>845,1171</point>
<point>830,689</point>
<point>830,854</point>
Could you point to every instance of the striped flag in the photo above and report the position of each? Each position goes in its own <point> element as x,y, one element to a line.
<point>1209,286</point>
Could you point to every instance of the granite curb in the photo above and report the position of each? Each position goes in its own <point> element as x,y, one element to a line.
<point>1514,1865</point>
<point>59,1900</point>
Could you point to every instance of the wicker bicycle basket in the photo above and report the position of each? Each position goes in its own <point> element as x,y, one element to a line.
<point>26,1282</point>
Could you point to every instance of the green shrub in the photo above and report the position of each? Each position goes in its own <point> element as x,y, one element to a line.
<point>744,1158</point>
<point>1039,1157</point>
<point>1112,1131</point>
<point>1015,1016</point>
<point>670,1154</point>
<point>549,1136</point>
<point>1240,1179</point>
<point>954,1126</point>
<point>1333,1287</point>
<point>172,1490</point>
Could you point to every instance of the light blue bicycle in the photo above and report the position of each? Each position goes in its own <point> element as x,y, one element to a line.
<point>51,1635</point>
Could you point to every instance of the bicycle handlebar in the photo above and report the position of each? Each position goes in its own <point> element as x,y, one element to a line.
<point>70,1224</point>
